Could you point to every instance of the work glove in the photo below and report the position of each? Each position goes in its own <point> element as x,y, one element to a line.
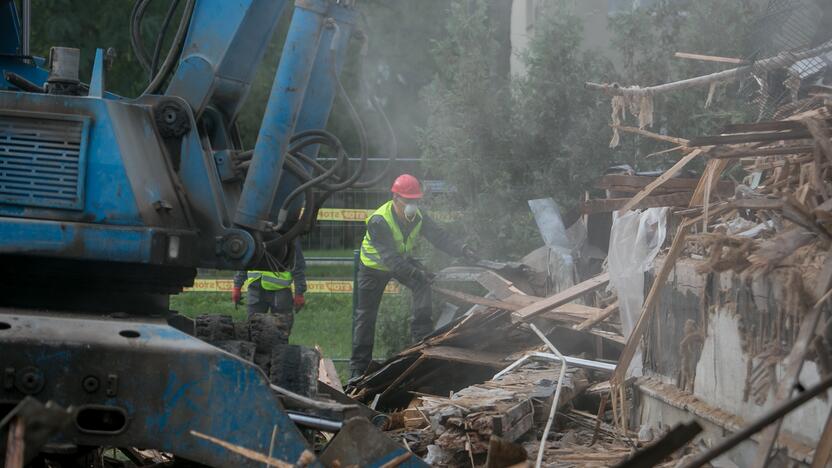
<point>299,301</point>
<point>470,254</point>
<point>422,275</point>
<point>236,294</point>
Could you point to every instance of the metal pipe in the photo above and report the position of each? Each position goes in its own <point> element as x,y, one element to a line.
<point>281,115</point>
<point>554,408</point>
<point>313,422</point>
<point>27,28</point>
<point>573,361</point>
<point>760,424</point>
<point>319,99</point>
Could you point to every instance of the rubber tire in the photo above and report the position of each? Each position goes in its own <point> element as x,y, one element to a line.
<point>241,330</point>
<point>213,328</point>
<point>266,337</point>
<point>239,348</point>
<point>295,368</point>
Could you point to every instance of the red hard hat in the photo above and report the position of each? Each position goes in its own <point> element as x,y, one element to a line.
<point>407,186</point>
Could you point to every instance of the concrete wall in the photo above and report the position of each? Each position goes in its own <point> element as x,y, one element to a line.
<point>735,316</point>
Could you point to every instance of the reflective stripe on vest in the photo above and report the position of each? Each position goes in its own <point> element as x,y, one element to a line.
<point>370,256</point>
<point>269,280</point>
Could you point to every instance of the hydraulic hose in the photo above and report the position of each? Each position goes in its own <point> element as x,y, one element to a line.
<point>157,50</point>
<point>136,16</point>
<point>174,51</point>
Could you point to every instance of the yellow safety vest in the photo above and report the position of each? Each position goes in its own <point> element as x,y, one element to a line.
<point>370,256</point>
<point>270,280</point>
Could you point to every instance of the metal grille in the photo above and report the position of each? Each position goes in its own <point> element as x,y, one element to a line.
<point>41,160</point>
<point>789,25</point>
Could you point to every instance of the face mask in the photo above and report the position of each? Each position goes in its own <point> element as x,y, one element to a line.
<point>410,211</point>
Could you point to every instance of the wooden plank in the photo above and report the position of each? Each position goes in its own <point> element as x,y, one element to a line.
<point>471,299</point>
<point>329,375</point>
<point>820,132</point>
<point>709,58</point>
<point>522,426</point>
<point>767,126</point>
<point>16,444</point>
<point>619,180</point>
<point>758,152</point>
<point>248,453</point>
<point>795,360</point>
<point>466,356</point>
<point>823,451</point>
<point>664,178</point>
<point>603,315</point>
<point>614,337</point>
<point>563,297</point>
<point>709,180</point>
<point>712,140</point>
<point>522,299</point>
<point>496,284</point>
<point>607,205</point>
<point>648,308</point>
<point>649,134</point>
<point>394,385</point>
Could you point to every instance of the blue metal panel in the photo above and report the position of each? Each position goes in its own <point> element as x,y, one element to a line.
<point>320,94</point>
<point>224,46</point>
<point>281,114</point>
<point>89,241</point>
<point>109,195</point>
<point>97,79</point>
<point>166,382</point>
<point>43,159</point>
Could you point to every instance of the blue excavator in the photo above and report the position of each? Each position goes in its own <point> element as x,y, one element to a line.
<point>109,204</point>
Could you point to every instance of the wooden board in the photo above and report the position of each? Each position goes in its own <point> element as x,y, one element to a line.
<point>467,356</point>
<point>709,58</point>
<point>661,180</point>
<point>599,317</point>
<point>618,180</point>
<point>329,375</point>
<point>712,140</point>
<point>471,299</point>
<point>606,205</point>
<point>563,297</point>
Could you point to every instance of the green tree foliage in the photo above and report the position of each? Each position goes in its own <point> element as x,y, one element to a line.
<point>503,141</point>
<point>92,24</point>
<point>647,38</point>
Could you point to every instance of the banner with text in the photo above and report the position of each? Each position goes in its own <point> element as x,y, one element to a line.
<point>313,286</point>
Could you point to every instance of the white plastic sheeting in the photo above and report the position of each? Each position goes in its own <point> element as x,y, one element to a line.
<point>635,240</point>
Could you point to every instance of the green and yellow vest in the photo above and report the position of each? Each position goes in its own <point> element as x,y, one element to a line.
<point>269,280</point>
<point>370,256</point>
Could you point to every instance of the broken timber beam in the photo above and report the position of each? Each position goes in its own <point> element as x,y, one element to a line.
<point>795,360</point>
<point>603,315</point>
<point>607,205</point>
<point>782,60</point>
<point>567,295</point>
<point>471,299</point>
<point>637,198</point>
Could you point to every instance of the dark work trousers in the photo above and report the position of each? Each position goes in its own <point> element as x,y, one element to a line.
<point>371,284</point>
<point>279,303</point>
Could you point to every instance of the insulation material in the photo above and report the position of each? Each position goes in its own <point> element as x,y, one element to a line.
<point>635,240</point>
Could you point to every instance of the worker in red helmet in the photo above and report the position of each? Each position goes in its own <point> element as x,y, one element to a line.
<point>386,252</point>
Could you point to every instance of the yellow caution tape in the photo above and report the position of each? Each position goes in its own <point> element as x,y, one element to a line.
<point>359,215</point>
<point>313,286</point>
<point>343,214</point>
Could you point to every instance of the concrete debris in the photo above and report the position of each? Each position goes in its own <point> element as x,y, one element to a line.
<point>722,282</point>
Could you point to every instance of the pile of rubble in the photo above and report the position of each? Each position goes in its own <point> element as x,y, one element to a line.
<point>479,390</point>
